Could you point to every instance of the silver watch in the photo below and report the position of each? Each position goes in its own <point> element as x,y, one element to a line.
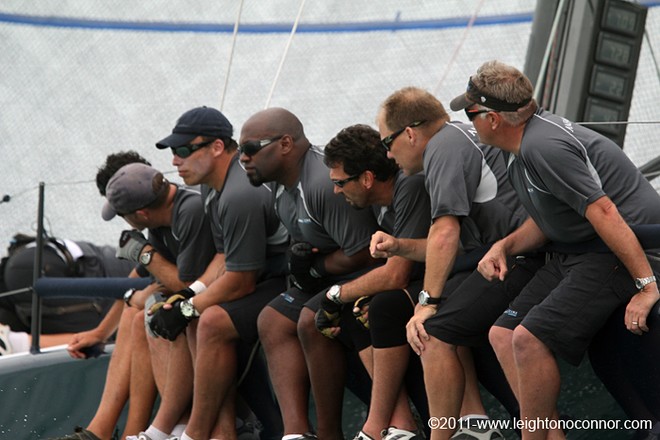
<point>145,258</point>
<point>425,299</point>
<point>334,294</point>
<point>188,309</point>
<point>640,283</point>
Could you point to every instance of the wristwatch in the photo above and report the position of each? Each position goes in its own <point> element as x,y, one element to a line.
<point>145,258</point>
<point>334,294</point>
<point>128,295</point>
<point>640,283</point>
<point>188,309</point>
<point>427,300</point>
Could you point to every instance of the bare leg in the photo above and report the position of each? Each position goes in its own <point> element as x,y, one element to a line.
<point>389,402</point>
<point>538,382</point>
<point>215,376</point>
<point>502,341</point>
<point>326,362</point>
<point>445,382</point>
<point>472,403</point>
<point>177,396</point>
<point>143,388</point>
<point>287,368</point>
<point>115,392</point>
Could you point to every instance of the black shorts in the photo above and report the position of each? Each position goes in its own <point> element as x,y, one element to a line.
<point>244,311</point>
<point>389,312</point>
<point>569,300</point>
<point>473,303</point>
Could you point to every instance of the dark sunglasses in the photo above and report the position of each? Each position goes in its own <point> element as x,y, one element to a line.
<point>471,114</point>
<point>342,182</point>
<point>251,148</point>
<point>388,140</point>
<point>186,150</point>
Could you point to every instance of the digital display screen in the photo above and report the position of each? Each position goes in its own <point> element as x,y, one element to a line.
<point>608,84</point>
<point>614,51</point>
<point>621,19</point>
<point>599,111</point>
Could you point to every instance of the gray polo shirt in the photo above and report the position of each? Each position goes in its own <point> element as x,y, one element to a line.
<point>187,243</point>
<point>312,212</point>
<point>562,167</point>
<point>244,224</point>
<point>409,214</point>
<point>468,179</point>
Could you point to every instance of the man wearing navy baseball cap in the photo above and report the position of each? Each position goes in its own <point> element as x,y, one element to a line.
<point>200,121</point>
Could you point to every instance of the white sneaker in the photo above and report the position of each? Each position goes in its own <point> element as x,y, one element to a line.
<point>393,433</point>
<point>5,346</point>
<point>473,432</point>
<point>362,436</point>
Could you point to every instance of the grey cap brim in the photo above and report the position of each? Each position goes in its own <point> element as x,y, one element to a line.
<point>108,212</point>
<point>176,140</point>
<point>460,102</point>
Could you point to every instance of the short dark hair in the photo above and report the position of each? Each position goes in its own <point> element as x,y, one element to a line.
<point>112,164</point>
<point>358,148</point>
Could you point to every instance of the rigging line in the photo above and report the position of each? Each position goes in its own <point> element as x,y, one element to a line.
<point>231,54</point>
<point>286,50</point>
<point>655,60</point>
<point>548,49</point>
<point>458,47</point>
<point>617,122</point>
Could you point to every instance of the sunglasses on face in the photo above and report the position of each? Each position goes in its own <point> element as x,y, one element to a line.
<point>186,150</point>
<point>471,114</point>
<point>387,141</point>
<point>342,182</point>
<point>250,148</point>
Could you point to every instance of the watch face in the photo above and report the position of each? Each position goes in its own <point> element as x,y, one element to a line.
<point>187,309</point>
<point>423,297</point>
<point>145,258</point>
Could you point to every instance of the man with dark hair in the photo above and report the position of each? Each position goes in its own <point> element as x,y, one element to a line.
<point>362,172</point>
<point>330,245</point>
<point>472,205</point>
<point>577,185</point>
<point>177,255</point>
<point>250,244</point>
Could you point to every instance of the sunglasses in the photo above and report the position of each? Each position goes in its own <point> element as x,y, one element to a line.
<point>387,141</point>
<point>342,182</point>
<point>251,148</point>
<point>186,150</point>
<point>471,114</point>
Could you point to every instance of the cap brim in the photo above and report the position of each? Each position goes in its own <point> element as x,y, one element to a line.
<point>108,212</point>
<point>175,140</point>
<point>460,102</point>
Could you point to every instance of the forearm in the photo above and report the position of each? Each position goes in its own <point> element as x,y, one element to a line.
<point>412,248</point>
<point>228,287</point>
<point>110,321</point>
<point>392,275</point>
<point>526,238</point>
<point>618,236</point>
<point>441,250</point>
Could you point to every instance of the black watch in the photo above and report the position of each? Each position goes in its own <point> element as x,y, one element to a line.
<point>427,300</point>
<point>128,295</point>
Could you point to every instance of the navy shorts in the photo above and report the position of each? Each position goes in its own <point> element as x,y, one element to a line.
<point>569,300</point>
<point>473,303</point>
<point>389,312</point>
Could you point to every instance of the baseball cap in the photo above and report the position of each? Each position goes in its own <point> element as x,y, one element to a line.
<point>200,121</point>
<point>475,95</point>
<point>133,186</point>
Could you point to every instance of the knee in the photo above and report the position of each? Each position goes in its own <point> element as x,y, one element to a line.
<point>213,323</point>
<point>501,339</point>
<point>306,326</point>
<point>522,341</point>
<point>269,327</point>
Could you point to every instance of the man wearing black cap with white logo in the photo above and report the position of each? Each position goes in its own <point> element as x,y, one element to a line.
<point>577,185</point>
<point>472,206</point>
<point>250,241</point>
